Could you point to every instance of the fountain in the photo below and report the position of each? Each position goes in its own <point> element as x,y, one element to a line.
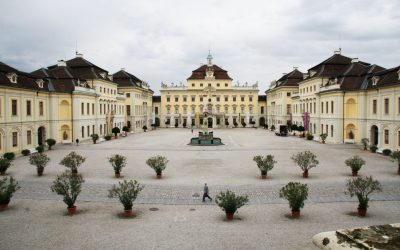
<point>205,137</point>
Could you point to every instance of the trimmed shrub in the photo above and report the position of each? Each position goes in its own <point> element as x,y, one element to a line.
<point>107,137</point>
<point>4,164</point>
<point>8,186</point>
<point>265,164</point>
<point>69,186</point>
<point>158,163</point>
<point>386,152</point>
<point>95,137</point>
<point>126,192</point>
<point>296,193</point>
<point>50,143</point>
<point>309,136</point>
<point>230,202</point>
<point>40,149</point>
<point>25,152</point>
<point>365,142</point>
<point>373,148</point>
<point>362,188</point>
<point>73,161</point>
<point>355,163</point>
<point>9,156</point>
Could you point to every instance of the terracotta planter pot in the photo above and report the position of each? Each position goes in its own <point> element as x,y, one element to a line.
<point>361,212</point>
<point>263,176</point>
<point>39,172</point>
<point>229,216</point>
<point>74,172</point>
<point>305,174</point>
<point>128,213</point>
<point>354,173</point>
<point>3,207</point>
<point>117,175</point>
<point>295,214</point>
<point>159,176</point>
<point>71,210</point>
<point>3,173</point>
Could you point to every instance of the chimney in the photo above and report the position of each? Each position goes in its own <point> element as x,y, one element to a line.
<point>295,68</point>
<point>79,55</point>
<point>354,60</point>
<point>61,63</point>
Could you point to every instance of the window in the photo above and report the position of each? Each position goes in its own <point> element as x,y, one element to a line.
<point>41,111</point>
<point>209,85</point>
<point>250,98</point>
<point>156,110</point>
<point>226,98</point>
<point>201,98</point>
<point>218,98</point>
<point>226,85</point>
<point>87,108</point>
<point>262,110</point>
<point>14,107</point>
<point>288,94</point>
<point>192,84</point>
<point>29,137</point>
<point>201,85</point>
<point>88,130</point>
<point>128,94</point>
<point>184,98</point>
<point>386,106</point>
<point>242,98</point>
<point>176,98</point>
<point>386,136</point>
<point>327,108</point>
<point>332,107</point>
<point>83,131</point>
<point>193,98</point>
<point>217,84</point>
<point>327,131</point>
<point>168,99</point>
<point>374,102</point>
<point>322,128</point>
<point>101,109</point>
<point>92,129</point>
<point>15,139</point>
<point>288,109</point>
<point>315,88</point>
<point>28,108</point>
<point>234,98</point>
<point>82,108</point>
<point>331,130</point>
<point>398,139</point>
<point>92,108</point>
<point>322,107</point>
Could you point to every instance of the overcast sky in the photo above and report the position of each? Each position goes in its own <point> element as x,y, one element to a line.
<point>163,41</point>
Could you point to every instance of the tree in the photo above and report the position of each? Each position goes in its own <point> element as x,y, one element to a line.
<point>95,137</point>
<point>305,160</point>
<point>73,161</point>
<point>396,156</point>
<point>362,188</point>
<point>145,128</point>
<point>9,156</point>
<point>158,163</point>
<point>117,162</point>
<point>265,164</point>
<point>125,129</point>
<point>126,192</point>
<point>8,186</point>
<point>50,143</point>
<point>39,160</point>
<point>296,193</point>
<point>69,186</point>
<point>323,137</point>
<point>230,203</point>
<point>116,131</point>
<point>355,162</point>
<point>4,165</point>
<point>365,142</point>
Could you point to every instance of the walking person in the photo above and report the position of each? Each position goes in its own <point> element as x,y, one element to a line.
<point>205,193</point>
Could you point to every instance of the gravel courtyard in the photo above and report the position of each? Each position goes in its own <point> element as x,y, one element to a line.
<point>36,218</point>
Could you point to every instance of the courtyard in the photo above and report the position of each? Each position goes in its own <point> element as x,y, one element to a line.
<point>170,213</point>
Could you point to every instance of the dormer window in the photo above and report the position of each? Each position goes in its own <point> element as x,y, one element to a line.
<point>375,80</point>
<point>398,74</point>
<point>312,72</point>
<point>12,77</point>
<point>40,82</point>
<point>103,75</point>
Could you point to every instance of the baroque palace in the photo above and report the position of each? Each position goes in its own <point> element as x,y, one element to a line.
<point>344,98</point>
<point>67,101</point>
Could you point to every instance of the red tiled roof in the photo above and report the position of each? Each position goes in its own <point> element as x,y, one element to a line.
<point>200,73</point>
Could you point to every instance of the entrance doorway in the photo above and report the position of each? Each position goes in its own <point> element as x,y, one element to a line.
<point>41,135</point>
<point>262,121</point>
<point>210,122</point>
<point>374,135</point>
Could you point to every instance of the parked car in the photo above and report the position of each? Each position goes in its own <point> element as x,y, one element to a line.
<point>282,130</point>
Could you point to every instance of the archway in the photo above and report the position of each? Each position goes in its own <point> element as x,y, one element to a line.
<point>350,129</point>
<point>41,135</point>
<point>65,131</point>
<point>374,135</point>
<point>210,122</point>
<point>262,121</point>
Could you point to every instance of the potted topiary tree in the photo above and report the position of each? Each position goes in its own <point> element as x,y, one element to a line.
<point>309,136</point>
<point>365,142</point>
<point>294,128</point>
<point>355,162</point>
<point>4,165</point>
<point>40,149</point>
<point>235,124</point>
<point>25,152</point>
<point>362,188</point>
<point>116,131</point>
<point>9,156</point>
<point>145,128</point>
<point>107,137</point>
<point>305,160</point>
<point>265,164</point>
<point>39,160</point>
<point>396,156</point>
<point>8,186</point>
<point>158,163</point>
<point>69,186</point>
<point>50,143</point>
<point>127,193</point>
<point>323,137</point>
<point>272,127</point>
<point>296,193</point>
<point>229,202</point>
<point>95,137</point>
<point>301,130</point>
<point>243,124</point>
<point>373,148</point>
<point>125,129</point>
<point>117,162</point>
<point>73,161</point>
